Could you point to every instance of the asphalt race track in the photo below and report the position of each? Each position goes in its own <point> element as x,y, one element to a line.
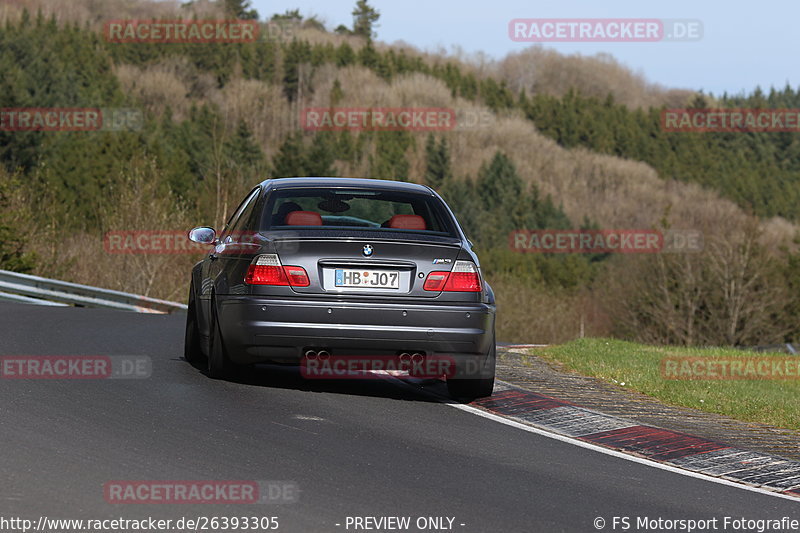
<point>354,449</point>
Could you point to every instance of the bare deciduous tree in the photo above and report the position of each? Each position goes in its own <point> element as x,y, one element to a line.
<point>729,294</point>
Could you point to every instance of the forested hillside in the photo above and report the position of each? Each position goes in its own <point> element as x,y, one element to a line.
<point>585,150</point>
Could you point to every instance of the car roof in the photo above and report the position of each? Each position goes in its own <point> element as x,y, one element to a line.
<point>389,185</point>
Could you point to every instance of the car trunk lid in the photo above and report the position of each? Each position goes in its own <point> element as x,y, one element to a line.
<point>394,267</point>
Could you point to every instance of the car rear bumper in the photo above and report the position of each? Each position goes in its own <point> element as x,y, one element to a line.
<point>280,330</point>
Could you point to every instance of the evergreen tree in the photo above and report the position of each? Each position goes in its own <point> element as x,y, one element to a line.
<point>437,162</point>
<point>321,155</point>
<point>348,148</point>
<point>463,199</point>
<point>199,139</point>
<point>263,63</point>
<point>240,9</point>
<point>369,57</point>
<point>290,161</point>
<point>291,16</point>
<point>12,245</point>
<point>364,19</point>
<point>243,152</point>
<point>296,54</point>
<point>336,93</point>
<point>389,160</point>
<point>345,55</point>
<point>499,182</point>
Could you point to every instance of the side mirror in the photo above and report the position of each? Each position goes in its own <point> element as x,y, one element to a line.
<point>203,235</point>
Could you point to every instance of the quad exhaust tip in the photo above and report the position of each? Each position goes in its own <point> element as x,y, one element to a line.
<point>322,355</point>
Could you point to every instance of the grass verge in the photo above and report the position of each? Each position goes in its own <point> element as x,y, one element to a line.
<point>749,396</point>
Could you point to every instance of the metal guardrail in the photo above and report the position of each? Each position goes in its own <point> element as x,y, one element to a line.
<point>25,288</point>
<point>775,348</point>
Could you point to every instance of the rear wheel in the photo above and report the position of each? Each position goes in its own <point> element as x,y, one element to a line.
<point>219,366</point>
<point>192,351</point>
<point>470,389</point>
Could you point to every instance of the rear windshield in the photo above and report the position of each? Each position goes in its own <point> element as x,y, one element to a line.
<point>365,209</point>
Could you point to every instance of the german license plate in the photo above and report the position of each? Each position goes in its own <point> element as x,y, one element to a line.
<point>375,279</point>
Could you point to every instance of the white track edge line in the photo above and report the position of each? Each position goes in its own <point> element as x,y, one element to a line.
<point>615,453</point>
<point>594,447</point>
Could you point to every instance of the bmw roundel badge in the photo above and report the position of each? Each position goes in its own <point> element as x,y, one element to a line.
<point>367,251</point>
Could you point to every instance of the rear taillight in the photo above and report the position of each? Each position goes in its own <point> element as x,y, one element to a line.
<point>297,276</point>
<point>266,269</point>
<point>463,278</point>
<point>435,281</point>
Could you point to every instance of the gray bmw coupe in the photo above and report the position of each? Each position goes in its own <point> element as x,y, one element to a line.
<point>319,268</point>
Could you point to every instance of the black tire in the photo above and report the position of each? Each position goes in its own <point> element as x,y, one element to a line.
<point>219,365</point>
<point>471,389</point>
<point>192,348</point>
<point>192,351</point>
